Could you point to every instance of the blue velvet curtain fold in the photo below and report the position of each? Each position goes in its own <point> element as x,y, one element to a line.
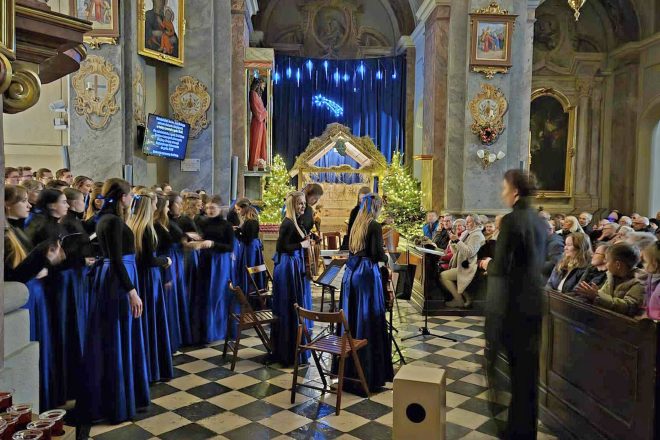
<point>366,95</point>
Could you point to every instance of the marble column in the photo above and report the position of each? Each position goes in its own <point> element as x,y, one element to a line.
<point>407,46</point>
<point>595,145</point>
<point>583,86</point>
<point>240,40</point>
<point>436,54</point>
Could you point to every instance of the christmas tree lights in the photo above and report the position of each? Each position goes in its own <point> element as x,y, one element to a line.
<point>277,187</point>
<point>404,198</point>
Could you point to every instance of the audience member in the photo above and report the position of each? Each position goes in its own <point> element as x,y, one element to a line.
<point>608,232</point>
<point>34,188</point>
<point>558,219</point>
<point>441,238</point>
<point>596,273</point>
<point>458,230</point>
<point>43,175</point>
<point>570,225</point>
<point>57,184</point>
<point>544,214</point>
<point>554,250</point>
<point>26,173</point>
<point>65,175</point>
<point>641,224</point>
<point>614,216</point>
<point>622,292</point>
<point>12,176</point>
<point>431,226</point>
<point>621,234</point>
<point>651,257</point>
<point>641,239</point>
<point>585,222</point>
<point>568,272</point>
<point>597,229</point>
<point>625,221</point>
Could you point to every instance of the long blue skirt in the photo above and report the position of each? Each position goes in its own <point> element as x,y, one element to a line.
<point>191,268</point>
<point>290,286</point>
<point>364,308</point>
<point>237,259</point>
<point>211,302</point>
<point>41,331</point>
<point>252,256</point>
<point>68,294</point>
<point>115,380</point>
<point>176,300</point>
<point>155,326</point>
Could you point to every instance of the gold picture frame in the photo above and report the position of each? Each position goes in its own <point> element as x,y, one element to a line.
<point>96,84</point>
<point>161,31</point>
<point>552,140</point>
<point>104,16</point>
<point>490,40</point>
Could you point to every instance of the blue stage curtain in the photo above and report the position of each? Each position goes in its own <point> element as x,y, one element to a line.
<point>370,92</point>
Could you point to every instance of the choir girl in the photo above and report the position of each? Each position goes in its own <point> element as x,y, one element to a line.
<point>362,297</point>
<point>363,191</point>
<point>155,325</point>
<point>29,264</point>
<point>115,382</point>
<point>290,284</point>
<point>211,302</point>
<point>313,193</point>
<point>94,204</point>
<point>252,255</point>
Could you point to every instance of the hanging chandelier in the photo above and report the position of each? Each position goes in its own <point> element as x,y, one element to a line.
<point>576,5</point>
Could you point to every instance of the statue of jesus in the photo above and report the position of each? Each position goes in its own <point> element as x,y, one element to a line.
<point>258,132</point>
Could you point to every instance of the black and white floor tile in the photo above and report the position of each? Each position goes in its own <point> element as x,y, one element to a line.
<point>207,400</point>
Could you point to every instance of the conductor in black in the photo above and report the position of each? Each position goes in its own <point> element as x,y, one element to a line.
<point>513,312</point>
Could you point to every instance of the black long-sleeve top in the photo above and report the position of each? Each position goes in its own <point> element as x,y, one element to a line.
<point>76,242</point>
<point>351,219</point>
<point>167,238</point>
<point>147,257</point>
<point>248,231</point>
<point>289,238</point>
<point>33,263</point>
<point>186,224</point>
<point>219,231</point>
<point>116,240</point>
<point>306,221</point>
<point>233,218</point>
<point>374,247</point>
<point>44,228</point>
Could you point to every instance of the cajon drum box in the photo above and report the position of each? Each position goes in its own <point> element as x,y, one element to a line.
<point>419,403</point>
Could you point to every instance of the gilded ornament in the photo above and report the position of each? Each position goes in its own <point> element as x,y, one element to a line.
<point>190,102</point>
<point>488,109</point>
<point>96,85</point>
<point>493,8</point>
<point>139,97</point>
<point>23,91</point>
<point>96,42</point>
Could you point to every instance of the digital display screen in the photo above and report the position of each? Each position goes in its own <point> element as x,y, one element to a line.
<point>166,137</point>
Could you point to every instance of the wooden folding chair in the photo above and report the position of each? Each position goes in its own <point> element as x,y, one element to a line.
<point>332,240</point>
<point>262,294</point>
<point>341,346</point>
<point>247,318</point>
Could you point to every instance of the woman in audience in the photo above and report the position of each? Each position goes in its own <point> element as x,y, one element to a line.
<point>33,188</point>
<point>463,264</point>
<point>289,281</point>
<point>458,230</point>
<point>571,268</point>
<point>622,292</point>
<point>596,273</point>
<point>211,302</point>
<point>441,239</point>
<point>622,234</point>
<point>570,225</point>
<point>28,264</point>
<point>115,382</point>
<point>651,257</point>
<point>363,300</point>
<point>614,216</point>
<point>252,255</point>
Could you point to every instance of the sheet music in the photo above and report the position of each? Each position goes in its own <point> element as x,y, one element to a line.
<point>336,283</point>
<point>430,251</point>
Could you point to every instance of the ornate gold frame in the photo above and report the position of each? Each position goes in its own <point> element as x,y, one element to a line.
<point>139,105</point>
<point>332,133</point>
<point>197,121</point>
<point>96,38</point>
<point>181,32</point>
<point>88,105</point>
<point>495,14</point>
<point>479,123</point>
<point>570,143</point>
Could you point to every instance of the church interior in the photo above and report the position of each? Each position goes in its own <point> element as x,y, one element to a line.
<point>330,219</point>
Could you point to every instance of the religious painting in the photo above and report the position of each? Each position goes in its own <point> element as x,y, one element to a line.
<point>161,28</point>
<point>259,98</point>
<point>551,142</point>
<point>490,43</point>
<point>104,15</point>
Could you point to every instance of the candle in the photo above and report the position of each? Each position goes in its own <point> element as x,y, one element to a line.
<point>45,426</point>
<point>29,434</point>
<point>24,413</point>
<point>6,398</point>
<point>57,416</point>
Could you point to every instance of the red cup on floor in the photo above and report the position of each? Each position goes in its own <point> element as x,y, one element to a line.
<point>24,413</point>
<point>57,416</point>
<point>28,434</point>
<point>45,426</point>
<point>11,421</point>
<point>3,428</point>
<point>6,400</point>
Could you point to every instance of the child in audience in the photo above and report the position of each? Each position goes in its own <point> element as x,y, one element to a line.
<point>651,257</point>
<point>622,292</point>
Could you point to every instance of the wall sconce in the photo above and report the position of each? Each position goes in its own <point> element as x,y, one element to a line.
<point>487,159</point>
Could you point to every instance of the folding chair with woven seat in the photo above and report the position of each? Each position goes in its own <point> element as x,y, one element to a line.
<point>262,294</point>
<point>341,346</point>
<point>247,318</point>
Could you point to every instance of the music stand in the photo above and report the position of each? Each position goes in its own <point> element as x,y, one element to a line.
<point>331,279</point>
<point>424,331</point>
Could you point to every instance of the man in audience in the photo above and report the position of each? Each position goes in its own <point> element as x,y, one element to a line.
<point>625,221</point>
<point>622,292</point>
<point>26,173</point>
<point>554,249</point>
<point>442,239</point>
<point>608,232</point>
<point>598,229</point>
<point>585,222</point>
<point>12,176</point>
<point>44,175</point>
<point>634,216</point>
<point>641,224</point>
<point>431,224</point>
<point>545,215</point>
<point>65,175</point>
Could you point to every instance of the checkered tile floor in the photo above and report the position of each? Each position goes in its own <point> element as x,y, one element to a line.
<point>208,401</point>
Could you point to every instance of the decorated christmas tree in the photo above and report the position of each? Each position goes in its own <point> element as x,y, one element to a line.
<point>277,187</point>
<point>404,199</point>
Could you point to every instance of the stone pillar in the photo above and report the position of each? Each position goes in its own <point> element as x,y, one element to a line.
<point>407,46</point>
<point>240,40</point>
<point>436,55</point>
<point>583,87</point>
<point>418,103</point>
<point>595,146</point>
